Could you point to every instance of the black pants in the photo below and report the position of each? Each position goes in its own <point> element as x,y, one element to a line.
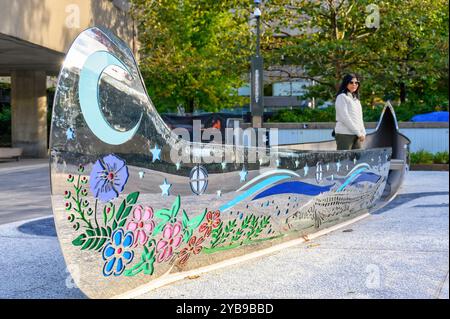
<point>347,142</point>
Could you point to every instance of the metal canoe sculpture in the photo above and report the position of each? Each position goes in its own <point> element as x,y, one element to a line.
<point>126,214</point>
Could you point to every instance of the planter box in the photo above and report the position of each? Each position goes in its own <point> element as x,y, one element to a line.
<point>10,152</point>
<point>429,167</point>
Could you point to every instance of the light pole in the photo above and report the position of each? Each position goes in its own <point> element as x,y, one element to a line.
<point>257,75</point>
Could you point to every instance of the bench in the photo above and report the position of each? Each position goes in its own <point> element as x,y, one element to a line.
<point>10,152</point>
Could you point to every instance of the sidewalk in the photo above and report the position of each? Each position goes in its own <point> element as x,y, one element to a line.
<point>24,190</point>
<point>400,252</point>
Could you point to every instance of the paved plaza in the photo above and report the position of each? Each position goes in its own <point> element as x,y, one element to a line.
<point>400,251</point>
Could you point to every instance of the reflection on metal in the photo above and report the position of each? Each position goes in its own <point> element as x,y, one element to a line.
<point>333,204</point>
<point>123,230</point>
<point>88,87</point>
<point>319,173</point>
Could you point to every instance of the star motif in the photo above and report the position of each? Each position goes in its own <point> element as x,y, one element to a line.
<point>178,165</point>
<point>224,165</point>
<point>70,133</point>
<point>141,175</point>
<point>165,188</point>
<point>243,174</point>
<point>306,169</point>
<point>156,153</point>
<point>338,166</point>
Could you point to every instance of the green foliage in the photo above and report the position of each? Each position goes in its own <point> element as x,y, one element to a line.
<point>189,225</point>
<point>94,236</point>
<point>220,235</point>
<point>421,157</point>
<point>250,229</point>
<point>425,157</point>
<point>146,264</point>
<point>5,125</point>
<point>304,115</point>
<point>403,112</point>
<point>193,52</point>
<point>124,210</point>
<point>93,239</point>
<point>441,158</point>
<point>406,58</point>
<point>167,215</point>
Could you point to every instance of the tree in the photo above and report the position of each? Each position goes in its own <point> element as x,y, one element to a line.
<point>409,48</point>
<point>193,52</point>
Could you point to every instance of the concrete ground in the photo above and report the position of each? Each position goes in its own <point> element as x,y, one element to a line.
<point>399,252</point>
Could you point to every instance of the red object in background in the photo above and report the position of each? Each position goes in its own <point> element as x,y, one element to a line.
<point>217,125</point>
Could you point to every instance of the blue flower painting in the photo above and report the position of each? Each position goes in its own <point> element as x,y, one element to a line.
<point>108,178</point>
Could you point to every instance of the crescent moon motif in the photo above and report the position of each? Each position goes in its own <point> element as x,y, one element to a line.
<point>88,84</point>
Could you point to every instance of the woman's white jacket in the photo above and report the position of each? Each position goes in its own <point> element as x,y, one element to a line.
<point>349,116</point>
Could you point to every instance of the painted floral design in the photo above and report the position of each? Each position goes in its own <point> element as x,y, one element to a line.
<point>171,240</point>
<point>108,178</point>
<point>118,253</point>
<point>142,224</point>
<point>212,221</point>
<point>194,247</point>
<point>118,230</point>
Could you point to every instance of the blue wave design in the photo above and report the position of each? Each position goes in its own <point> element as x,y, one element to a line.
<point>252,190</point>
<point>366,177</point>
<point>294,187</point>
<point>350,179</point>
<point>358,177</point>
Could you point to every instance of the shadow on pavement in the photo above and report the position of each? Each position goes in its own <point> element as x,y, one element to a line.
<point>42,227</point>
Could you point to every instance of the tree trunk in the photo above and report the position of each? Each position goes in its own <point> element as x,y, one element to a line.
<point>402,92</point>
<point>190,106</point>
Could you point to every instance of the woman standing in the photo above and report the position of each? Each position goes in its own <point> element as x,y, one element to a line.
<point>349,131</point>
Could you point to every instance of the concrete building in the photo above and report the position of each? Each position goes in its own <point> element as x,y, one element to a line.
<point>34,37</point>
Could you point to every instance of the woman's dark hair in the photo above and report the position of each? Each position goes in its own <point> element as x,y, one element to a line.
<point>345,81</point>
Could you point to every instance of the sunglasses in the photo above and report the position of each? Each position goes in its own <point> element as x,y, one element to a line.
<point>354,82</point>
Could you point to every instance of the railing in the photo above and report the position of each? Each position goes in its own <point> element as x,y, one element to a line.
<point>432,136</point>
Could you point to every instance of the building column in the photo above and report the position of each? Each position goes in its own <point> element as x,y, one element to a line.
<point>29,112</point>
